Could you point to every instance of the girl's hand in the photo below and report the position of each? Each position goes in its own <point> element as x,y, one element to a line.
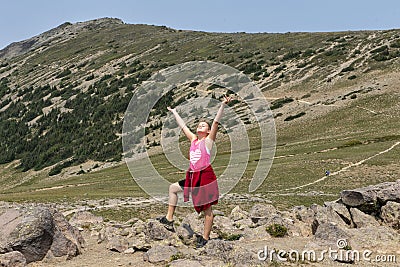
<point>227,99</point>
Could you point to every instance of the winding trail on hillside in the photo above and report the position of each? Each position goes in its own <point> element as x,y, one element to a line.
<point>339,171</point>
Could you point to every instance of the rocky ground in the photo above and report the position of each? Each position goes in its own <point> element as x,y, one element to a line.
<point>361,228</point>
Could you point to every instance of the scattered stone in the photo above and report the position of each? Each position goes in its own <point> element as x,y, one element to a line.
<point>238,214</point>
<point>156,231</point>
<point>117,244</point>
<point>159,254</point>
<point>129,251</point>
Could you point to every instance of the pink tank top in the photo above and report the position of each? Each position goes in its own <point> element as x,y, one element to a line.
<point>199,156</point>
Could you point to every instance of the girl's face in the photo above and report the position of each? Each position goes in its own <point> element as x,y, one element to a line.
<point>203,127</point>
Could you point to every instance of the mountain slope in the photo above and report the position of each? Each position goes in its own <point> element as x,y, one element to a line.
<point>63,93</point>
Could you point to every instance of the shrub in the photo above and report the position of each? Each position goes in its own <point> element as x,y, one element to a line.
<point>277,230</point>
<point>295,116</point>
<point>347,69</point>
<point>280,102</point>
<point>64,73</point>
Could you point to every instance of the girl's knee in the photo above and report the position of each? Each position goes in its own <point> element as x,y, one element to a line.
<point>174,188</point>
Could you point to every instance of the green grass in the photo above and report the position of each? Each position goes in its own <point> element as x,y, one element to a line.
<point>330,142</point>
<point>305,147</point>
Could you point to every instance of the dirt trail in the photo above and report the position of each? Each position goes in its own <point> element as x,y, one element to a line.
<point>339,171</point>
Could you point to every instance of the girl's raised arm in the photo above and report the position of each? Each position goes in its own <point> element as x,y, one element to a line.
<point>191,136</point>
<point>214,127</point>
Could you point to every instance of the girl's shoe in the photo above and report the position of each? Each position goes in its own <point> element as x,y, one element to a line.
<point>169,225</point>
<point>201,242</point>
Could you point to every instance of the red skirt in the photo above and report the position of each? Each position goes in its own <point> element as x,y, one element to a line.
<point>203,187</point>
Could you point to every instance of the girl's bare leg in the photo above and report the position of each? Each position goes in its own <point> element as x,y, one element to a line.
<point>208,222</point>
<point>174,189</point>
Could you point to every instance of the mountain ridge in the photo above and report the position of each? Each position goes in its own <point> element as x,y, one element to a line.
<point>62,101</point>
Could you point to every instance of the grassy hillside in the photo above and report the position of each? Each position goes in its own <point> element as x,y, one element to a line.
<point>62,100</point>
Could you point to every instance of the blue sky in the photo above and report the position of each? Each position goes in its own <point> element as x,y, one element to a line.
<point>22,19</point>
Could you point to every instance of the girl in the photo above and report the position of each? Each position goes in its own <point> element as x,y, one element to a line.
<point>200,180</point>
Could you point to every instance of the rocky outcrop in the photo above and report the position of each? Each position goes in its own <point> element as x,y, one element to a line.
<point>235,238</point>
<point>36,232</point>
<point>371,198</point>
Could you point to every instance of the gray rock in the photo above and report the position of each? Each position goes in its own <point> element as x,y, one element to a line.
<point>159,254</point>
<point>219,249</point>
<point>240,256</point>
<point>262,212</point>
<point>118,244</point>
<point>304,214</point>
<point>369,199</point>
<point>257,233</point>
<point>196,224</point>
<point>362,220</point>
<point>185,233</point>
<point>12,259</point>
<point>140,242</point>
<point>330,233</point>
<point>243,224</point>
<point>33,234</point>
<point>224,227</point>
<point>380,238</point>
<point>325,215</point>
<point>129,251</point>
<point>341,210</point>
<point>37,230</point>
<point>66,240</point>
<point>390,214</point>
<point>139,227</point>
<point>156,231</point>
<point>238,214</point>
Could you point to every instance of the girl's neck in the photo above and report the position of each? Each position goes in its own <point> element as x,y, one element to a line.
<point>201,137</point>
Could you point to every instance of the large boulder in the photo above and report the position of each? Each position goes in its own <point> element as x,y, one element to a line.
<point>38,231</point>
<point>369,199</point>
